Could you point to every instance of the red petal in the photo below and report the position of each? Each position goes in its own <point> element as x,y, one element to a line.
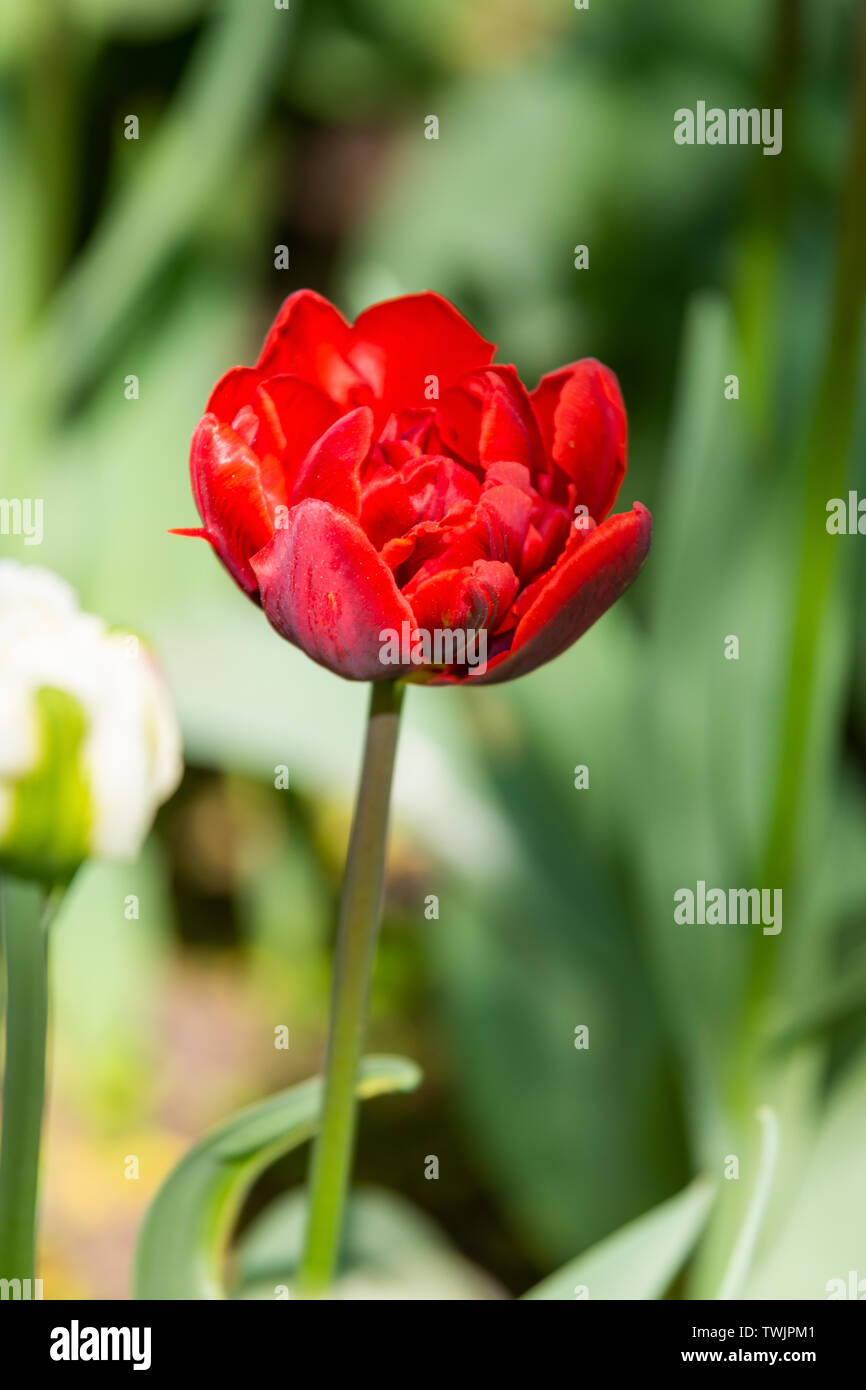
<point>227,486</point>
<point>397,551</point>
<point>487,418</point>
<point>545,540</point>
<point>292,416</point>
<point>324,588</point>
<point>505,513</point>
<point>437,486</point>
<point>233,391</point>
<point>310,339</point>
<point>387,510</point>
<point>401,343</point>
<point>453,544</point>
<point>582,420</point>
<point>466,599</point>
<point>508,428</point>
<point>578,590</point>
<point>332,469</point>
<point>279,417</point>
<point>514,474</point>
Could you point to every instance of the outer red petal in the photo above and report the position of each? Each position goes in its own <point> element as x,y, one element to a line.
<point>577,592</point>
<point>235,389</point>
<point>279,417</point>
<point>324,588</point>
<point>232,503</point>
<point>582,419</point>
<point>310,339</point>
<point>398,344</point>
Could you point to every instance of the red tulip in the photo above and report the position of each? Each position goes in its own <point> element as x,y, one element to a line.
<point>383,478</point>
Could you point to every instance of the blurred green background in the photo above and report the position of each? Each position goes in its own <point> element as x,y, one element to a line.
<point>155,257</point>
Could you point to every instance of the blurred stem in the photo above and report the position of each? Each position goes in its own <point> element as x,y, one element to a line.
<point>360,913</point>
<point>24,950</point>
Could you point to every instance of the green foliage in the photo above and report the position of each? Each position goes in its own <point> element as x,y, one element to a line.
<point>639,1261</point>
<point>555,903</point>
<point>185,1237</point>
<point>391,1250</point>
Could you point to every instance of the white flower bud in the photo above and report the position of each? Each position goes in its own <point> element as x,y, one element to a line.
<point>89,744</point>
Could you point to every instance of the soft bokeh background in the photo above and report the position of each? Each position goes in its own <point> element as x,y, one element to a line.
<point>155,257</point>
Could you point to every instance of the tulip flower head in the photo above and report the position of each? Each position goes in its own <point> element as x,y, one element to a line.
<point>89,744</point>
<point>395,503</point>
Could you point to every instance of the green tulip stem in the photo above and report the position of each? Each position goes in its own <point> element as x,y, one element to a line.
<point>24,954</point>
<point>360,914</point>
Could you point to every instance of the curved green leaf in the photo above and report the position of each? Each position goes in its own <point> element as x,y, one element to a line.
<point>640,1260</point>
<point>183,1243</point>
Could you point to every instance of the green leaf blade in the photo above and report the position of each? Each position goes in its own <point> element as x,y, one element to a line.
<point>640,1260</point>
<point>186,1233</point>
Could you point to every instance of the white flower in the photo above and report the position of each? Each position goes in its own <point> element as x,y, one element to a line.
<point>82,772</point>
